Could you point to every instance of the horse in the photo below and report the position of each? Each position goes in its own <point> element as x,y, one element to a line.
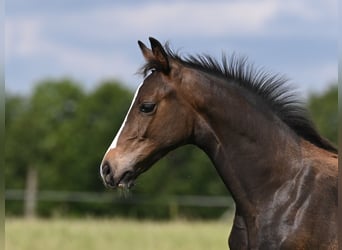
<point>281,173</point>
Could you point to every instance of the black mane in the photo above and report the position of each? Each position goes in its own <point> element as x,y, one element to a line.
<point>272,88</point>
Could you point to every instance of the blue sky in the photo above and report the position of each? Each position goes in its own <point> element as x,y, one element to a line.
<point>90,41</point>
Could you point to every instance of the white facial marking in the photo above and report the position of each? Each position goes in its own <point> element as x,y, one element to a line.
<point>115,141</point>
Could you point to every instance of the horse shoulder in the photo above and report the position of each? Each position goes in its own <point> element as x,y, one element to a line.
<point>323,162</point>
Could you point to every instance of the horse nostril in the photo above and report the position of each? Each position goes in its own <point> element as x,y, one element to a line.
<point>106,170</point>
<point>107,175</point>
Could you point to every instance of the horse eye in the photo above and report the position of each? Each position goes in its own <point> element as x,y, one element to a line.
<point>147,107</point>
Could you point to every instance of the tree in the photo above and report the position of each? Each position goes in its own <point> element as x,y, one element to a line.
<point>56,138</point>
<point>99,118</point>
<point>324,110</point>
<point>35,127</point>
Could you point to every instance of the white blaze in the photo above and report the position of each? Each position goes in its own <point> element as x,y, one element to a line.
<point>115,141</point>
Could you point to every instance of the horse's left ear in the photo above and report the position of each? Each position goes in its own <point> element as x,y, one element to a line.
<point>160,55</point>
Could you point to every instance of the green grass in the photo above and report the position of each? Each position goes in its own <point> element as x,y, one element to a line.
<point>88,234</point>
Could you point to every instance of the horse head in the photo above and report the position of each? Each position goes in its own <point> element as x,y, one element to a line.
<point>157,121</point>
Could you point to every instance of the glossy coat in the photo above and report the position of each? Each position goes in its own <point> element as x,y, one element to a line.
<point>281,173</point>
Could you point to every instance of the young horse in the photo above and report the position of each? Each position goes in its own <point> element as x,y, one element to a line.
<point>281,173</point>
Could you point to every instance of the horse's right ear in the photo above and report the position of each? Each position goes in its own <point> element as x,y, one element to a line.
<point>147,53</point>
<point>160,55</point>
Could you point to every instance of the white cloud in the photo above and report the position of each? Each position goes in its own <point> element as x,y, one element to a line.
<point>72,41</point>
<point>196,19</point>
<point>309,10</point>
<point>177,18</point>
<point>22,36</point>
<point>27,35</point>
<point>26,40</point>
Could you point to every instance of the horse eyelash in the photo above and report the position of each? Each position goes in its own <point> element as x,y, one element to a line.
<point>151,66</point>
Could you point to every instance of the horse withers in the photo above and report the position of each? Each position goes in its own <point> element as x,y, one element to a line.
<point>281,173</point>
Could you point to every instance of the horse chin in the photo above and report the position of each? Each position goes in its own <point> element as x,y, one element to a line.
<point>127,178</point>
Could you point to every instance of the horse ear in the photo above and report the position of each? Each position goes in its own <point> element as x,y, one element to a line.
<point>147,53</point>
<point>160,55</point>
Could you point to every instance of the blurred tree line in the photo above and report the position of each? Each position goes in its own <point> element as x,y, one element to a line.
<point>56,138</point>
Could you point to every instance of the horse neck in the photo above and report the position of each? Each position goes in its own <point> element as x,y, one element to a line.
<point>251,148</point>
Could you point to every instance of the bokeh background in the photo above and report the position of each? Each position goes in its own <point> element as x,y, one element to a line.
<point>70,73</point>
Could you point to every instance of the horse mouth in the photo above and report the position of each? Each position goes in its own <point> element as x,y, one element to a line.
<point>123,179</point>
<point>127,180</point>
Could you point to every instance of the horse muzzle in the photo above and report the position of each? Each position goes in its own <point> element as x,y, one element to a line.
<point>114,178</point>
<point>121,168</point>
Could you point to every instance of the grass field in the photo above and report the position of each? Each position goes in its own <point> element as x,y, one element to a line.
<point>91,234</point>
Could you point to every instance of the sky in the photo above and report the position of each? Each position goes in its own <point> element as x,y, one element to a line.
<point>91,41</point>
